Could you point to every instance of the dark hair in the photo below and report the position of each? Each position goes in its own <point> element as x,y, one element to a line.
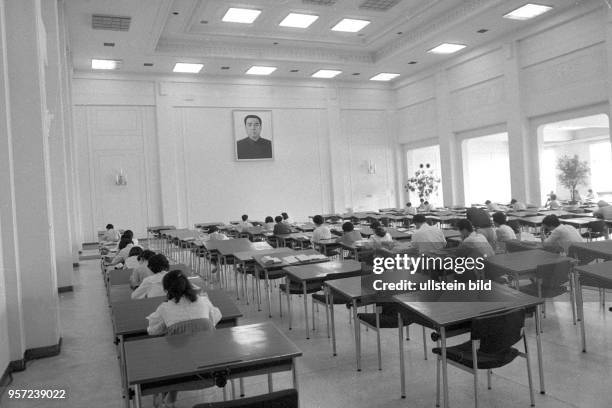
<point>252,117</point>
<point>380,231</point>
<point>317,219</point>
<point>125,241</point>
<point>128,234</point>
<point>158,263</point>
<point>465,225</point>
<point>245,217</point>
<point>177,285</point>
<point>278,218</point>
<point>551,220</point>
<point>348,226</point>
<point>285,215</point>
<point>146,255</point>
<point>419,218</point>
<point>553,196</point>
<point>269,219</point>
<point>426,202</point>
<point>513,201</point>
<point>499,217</point>
<point>408,204</point>
<point>488,202</point>
<point>213,228</point>
<point>109,226</point>
<point>135,251</point>
<point>375,224</point>
<point>422,200</point>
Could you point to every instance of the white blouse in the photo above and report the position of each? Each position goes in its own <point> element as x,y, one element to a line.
<point>170,312</point>
<point>151,286</point>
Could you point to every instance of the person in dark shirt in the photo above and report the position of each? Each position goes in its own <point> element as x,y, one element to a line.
<point>253,146</point>
<point>280,227</point>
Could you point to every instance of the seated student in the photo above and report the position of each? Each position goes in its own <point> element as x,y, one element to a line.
<point>151,286</point>
<point>269,223</point>
<point>215,235</point>
<point>125,245</point>
<point>427,238</point>
<point>130,234</point>
<point>142,270</point>
<point>244,224</point>
<point>410,210</point>
<point>481,221</point>
<point>321,232</point>
<point>422,206</point>
<point>474,244</point>
<point>591,196</point>
<point>286,218</point>
<point>428,207</point>
<point>380,235</point>
<point>111,234</point>
<point>523,235</point>
<point>349,235</point>
<point>183,304</point>
<point>553,204</point>
<point>502,230</point>
<point>604,210</point>
<point>492,206</point>
<point>561,235</point>
<point>517,205</point>
<point>281,227</point>
<point>131,261</point>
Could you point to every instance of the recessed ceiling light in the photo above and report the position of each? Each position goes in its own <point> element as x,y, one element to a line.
<point>356,73</point>
<point>384,76</point>
<point>225,68</point>
<point>109,44</point>
<point>188,68</point>
<point>240,15</point>
<point>326,73</point>
<point>203,21</point>
<point>482,30</point>
<point>294,70</point>
<point>148,64</point>
<point>527,11</point>
<point>297,20</point>
<point>350,25</point>
<point>446,48</point>
<point>175,13</point>
<point>260,70</point>
<point>412,62</point>
<point>104,64</point>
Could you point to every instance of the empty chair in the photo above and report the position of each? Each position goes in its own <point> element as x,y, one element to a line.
<point>596,229</point>
<point>278,399</point>
<point>489,347</point>
<point>550,282</point>
<point>189,327</point>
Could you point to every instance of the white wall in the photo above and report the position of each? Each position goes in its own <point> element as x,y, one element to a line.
<point>174,139</point>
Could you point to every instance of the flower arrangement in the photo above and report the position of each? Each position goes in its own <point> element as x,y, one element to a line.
<point>424,182</point>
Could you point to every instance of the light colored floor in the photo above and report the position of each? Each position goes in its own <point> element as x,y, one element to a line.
<point>88,369</point>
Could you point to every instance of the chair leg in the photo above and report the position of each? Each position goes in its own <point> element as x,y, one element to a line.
<point>438,363</point>
<point>489,372</point>
<point>280,303</point>
<point>407,332</point>
<point>424,344</point>
<point>528,371</point>
<point>313,313</point>
<point>377,311</point>
<point>475,367</point>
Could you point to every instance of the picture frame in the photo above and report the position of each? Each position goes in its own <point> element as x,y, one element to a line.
<point>253,139</point>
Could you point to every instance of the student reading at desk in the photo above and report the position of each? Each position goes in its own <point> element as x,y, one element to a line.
<point>380,235</point>
<point>131,261</point>
<point>142,270</point>
<point>286,218</point>
<point>183,304</point>
<point>481,221</point>
<point>561,235</point>
<point>321,232</point>
<point>604,210</point>
<point>591,196</point>
<point>553,204</point>
<point>502,230</point>
<point>151,286</point>
<point>244,224</point>
<point>517,205</point>
<point>111,234</point>
<point>492,206</point>
<point>410,210</point>
<point>474,244</point>
<point>269,223</point>
<point>427,238</point>
<point>349,235</point>
<point>125,245</point>
<point>281,227</point>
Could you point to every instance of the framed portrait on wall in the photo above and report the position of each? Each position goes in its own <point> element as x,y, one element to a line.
<point>253,135</point>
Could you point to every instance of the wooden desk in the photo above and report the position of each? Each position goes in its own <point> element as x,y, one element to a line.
<point>321,272</point>
<point>240,351</point>
<point>225,249</point>
<point>588,251</point>
<point>119,276</point>
<point>444,309</point>
<point>205,225</point>
<point>305,227</point>
<point>298,237</point>
<point>246,257</point>
<point>521,264</point>
<point>399,235</point>
<point>534,221</point>
<point>119,293</point>
<point>579,222</point>
<point>599,274</point>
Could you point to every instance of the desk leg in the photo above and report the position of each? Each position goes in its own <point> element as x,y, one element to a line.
<point>580,309</point>
<point>400,332</point>
<point>236,280</point>
<point>241,387</point>
<point>538,322</point>
<point>268,293</point>
<point>306,310</point>
<point>294,373</point>
<point>333,324</point>
<point>357,335</point>
<point>326,292</point>
<point>124,383</point>
<point>137,401</point>
<point>444,366</point>
<point>289,311</point>
<point>270,384</point>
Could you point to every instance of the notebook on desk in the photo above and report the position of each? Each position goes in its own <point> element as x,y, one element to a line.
<point>270,260</point>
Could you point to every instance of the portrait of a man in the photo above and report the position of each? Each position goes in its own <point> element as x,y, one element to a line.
<point>250,144</point>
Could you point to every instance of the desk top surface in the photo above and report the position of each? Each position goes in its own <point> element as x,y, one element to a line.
<point>579,220</point>
<point>208,224</point>
<point>596,247</point>
<point>129,316</point>
<point>525,261</point>
<point>228,246</point>
<point>537,219</point>
<point>204,352</point>
<point>600,271</point>
<point>245,256</point>
<point>361,287</point>
<point>323,271</point>
<point>158,228</point>
<point>287,252</point>
<point>444,308</point>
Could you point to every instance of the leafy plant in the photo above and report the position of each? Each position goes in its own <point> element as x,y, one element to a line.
<point>572,172</point>
<point>424,182</point>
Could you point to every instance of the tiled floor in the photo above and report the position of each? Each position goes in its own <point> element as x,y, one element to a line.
<point>88,369</point>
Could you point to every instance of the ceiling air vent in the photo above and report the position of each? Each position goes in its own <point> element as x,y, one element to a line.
<point>320,2</point>
<point>113,23</point>
<point>378,5</point>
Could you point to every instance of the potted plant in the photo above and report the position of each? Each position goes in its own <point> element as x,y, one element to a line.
<point>572,172</point>
<point>424,182</point>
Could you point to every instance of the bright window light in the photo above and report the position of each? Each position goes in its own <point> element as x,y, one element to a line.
<point>350,25</point>
<point>297,20</point>
<point>240,15</point>
<point>104,64</point>
<point>446,48</point>
<point>259,70</point>
<point>527,11</point>
<point>187,67</point>
<point>384,76</point>
<point>326,73</point>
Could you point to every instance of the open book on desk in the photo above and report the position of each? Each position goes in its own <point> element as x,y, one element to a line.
<point>270,260</point>
<point>308,258</point>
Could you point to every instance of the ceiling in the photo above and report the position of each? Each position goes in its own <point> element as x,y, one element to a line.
<point>163,32</point>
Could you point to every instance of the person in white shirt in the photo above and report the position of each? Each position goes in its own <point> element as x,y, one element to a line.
<point>591,196</point>
<point>380,235</point>
<point>491,206</point>
<point>474,244</point>
<point>428,206</point>
<point>502,231</point>
<point>142,270</point>
<point>244,224</point>
<point>603,211</point>
<point>410,210</point>
<point>152,286</point>
<point>132,260</point>
<point>286,218</point>
<point>427,238</point>
<point>517,205</point>
<point>111,234</point>
<point>125,245</point>
<point>321,232</point>
<point>269,223</point>
<point>422,206</point>
<point>183,304</point>
<point>553,204</point>
<point>561,236</point>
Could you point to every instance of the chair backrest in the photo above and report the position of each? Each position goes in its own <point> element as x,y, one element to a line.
<point>278,399</point>
<point>190,327</point>
<point>597,226</point>
<point>515,245</point>
<point>499,332</point>
<point>554,275</point>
